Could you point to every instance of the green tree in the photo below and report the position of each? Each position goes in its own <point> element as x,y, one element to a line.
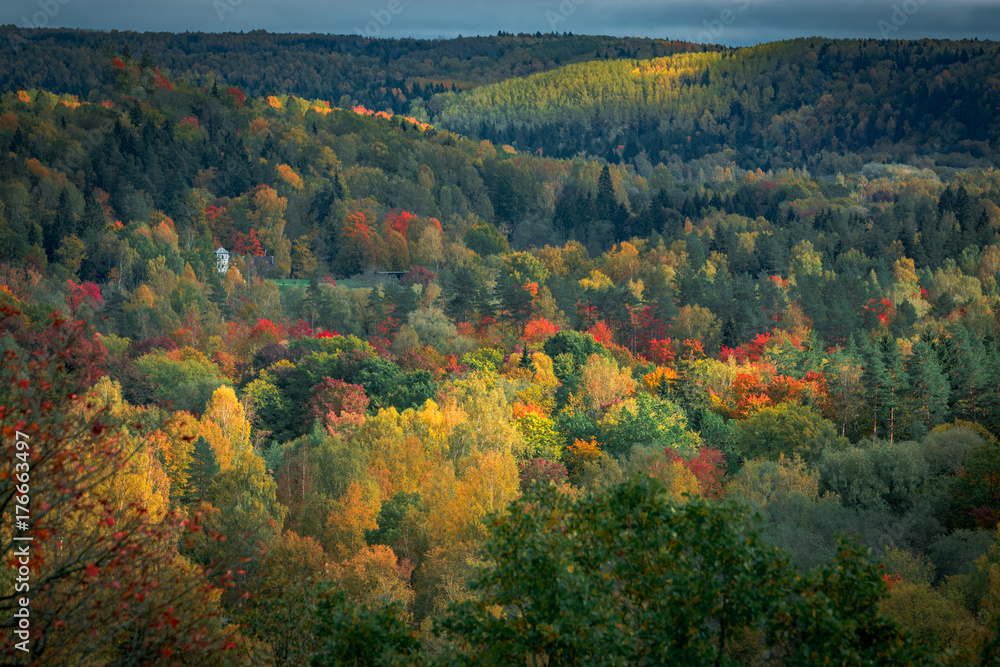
<point>788,429</point>
<point>356,634</point>
<point>963,359</point>
<point>926,398</point>
<point>976,492</point>
<point>885,383</point>
<point>520,276</point>
<point>835,618</point>
<point>615,578</point>
<point>202,470</point>
<point>625,576</point>
<point>246,512</point>
<point>485,240</point>
<point>878,476</point>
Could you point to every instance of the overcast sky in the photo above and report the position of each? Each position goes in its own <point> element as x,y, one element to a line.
<point>733,22</point>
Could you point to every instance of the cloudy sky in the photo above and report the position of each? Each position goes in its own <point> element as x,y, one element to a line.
<point>734,22</point>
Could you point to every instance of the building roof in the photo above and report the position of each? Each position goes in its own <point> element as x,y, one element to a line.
<point>221,251</point>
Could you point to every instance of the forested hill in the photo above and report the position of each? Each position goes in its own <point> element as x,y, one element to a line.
<point>380,73</point>
<point>799,102</point>
<point>299,452</point>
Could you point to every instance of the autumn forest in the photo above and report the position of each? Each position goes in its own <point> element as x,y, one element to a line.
<point>514,350</point>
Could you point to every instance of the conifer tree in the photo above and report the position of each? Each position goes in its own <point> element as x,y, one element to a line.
<point>962,358</point>
<point>202,470</point>
<point>927,396</point>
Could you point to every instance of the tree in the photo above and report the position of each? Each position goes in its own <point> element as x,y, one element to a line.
<point>397,526</point>
<point>962,358</point>
<point>540,471</point>
<point>926,398</point>
<point>604,383</point>
<point>86,294</point>
<point>286,591</point>
<point>592,592</point>
<point>788,429</point>
<point>105,579</point>
<point>760,481</point>
<point>697,323</point>
<point>835,618</point>
<point>885,383</point>
<point>359,245</point>
<point>351,519</point>
<point>338,405</point>
<point>977,490</point>
<point>517,285</point>
<point>359,634</point>
<point>626,576</point>
<point>645,421</point>
<point>304,263</point>
<point>247,245</point>
<point>203,469</point>
<point>486,240</point>
<point>541,438</point>
<point>245,510</point>
<point>880,476</point>
<point>225,410</point>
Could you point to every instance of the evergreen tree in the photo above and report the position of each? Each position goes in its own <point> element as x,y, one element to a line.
<point>962,358</point>
<point>201,471</point>
<point>92,220</point>
<point>66,223</point>
<point>991,395</point>
<point>885,381</point>
<point>927,396</point>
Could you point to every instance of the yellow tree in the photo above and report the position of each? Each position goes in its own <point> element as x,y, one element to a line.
<point>372,575</point>
<point>267,216</point>
<point>396,459</point>
<point>352,516</point>
<point>488,483</point>
<point>487,425</point>
<point>222,450</point>
<point>225,410</point>
<point>604,382</point>
<point>180,430</point>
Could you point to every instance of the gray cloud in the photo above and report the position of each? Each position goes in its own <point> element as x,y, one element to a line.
<point>734,22</point>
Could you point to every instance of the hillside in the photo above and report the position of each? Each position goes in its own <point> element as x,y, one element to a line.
<point>798,103</point>
<point>382,74</point>
<point>430,375</point>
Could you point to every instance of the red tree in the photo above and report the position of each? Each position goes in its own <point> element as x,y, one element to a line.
<point>86,293</point>
<point>247,245</point>
<point>237,95</point>
<point>358,244</point>
<point>337,404</point>
<point>540,471</point>
<point>399,221</point>
<point>708,468</point>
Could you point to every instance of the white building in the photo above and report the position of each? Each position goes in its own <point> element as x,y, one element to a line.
<point>222,260</point>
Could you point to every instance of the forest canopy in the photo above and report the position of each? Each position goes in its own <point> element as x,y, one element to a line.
<point>316,373</point>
